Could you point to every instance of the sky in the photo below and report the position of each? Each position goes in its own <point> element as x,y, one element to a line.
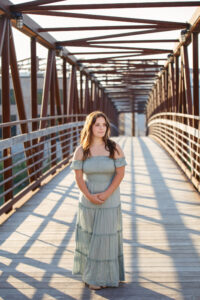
<point>169,14</point>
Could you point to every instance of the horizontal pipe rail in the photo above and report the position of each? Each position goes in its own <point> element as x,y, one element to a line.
<point>50,148</point>
<point>174,131</point>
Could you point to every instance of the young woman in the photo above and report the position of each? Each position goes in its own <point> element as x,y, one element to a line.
<point>99,165</point>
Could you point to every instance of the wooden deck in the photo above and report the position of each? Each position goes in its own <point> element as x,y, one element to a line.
<point>161,221</point>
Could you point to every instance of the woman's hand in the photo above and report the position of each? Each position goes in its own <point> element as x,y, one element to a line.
<point>95,199</point>
<point>103,196</point>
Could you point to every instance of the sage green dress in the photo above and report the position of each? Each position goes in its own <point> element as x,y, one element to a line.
<point>98,253</point>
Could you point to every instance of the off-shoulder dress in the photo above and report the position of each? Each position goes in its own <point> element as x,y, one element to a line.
<point>98,253</point>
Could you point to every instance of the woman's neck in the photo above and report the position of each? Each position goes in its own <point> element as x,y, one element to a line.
<point>97,142</point>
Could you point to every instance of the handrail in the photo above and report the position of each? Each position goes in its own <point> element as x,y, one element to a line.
<point>176,115</point>
<point>31,157</point>
<point>181,140</point>
<point>13,123</point>
<point>36,134</point>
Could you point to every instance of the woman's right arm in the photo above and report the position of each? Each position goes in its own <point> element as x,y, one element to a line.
<point>78,155</point>
<point>83,187</point>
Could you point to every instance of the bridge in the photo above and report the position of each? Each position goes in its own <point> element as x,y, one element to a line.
<point>160,191</point>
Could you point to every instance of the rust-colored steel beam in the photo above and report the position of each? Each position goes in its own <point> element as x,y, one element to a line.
<point>76,98</point>
<point>187,80</point>
<point>3,26</point>
<point>166,89</point>
<point>119,5</point>
<point>181,90</point>
<point>91,96</point>
<point>141,50</point>
<point>135,60</point>
<point>94,99</point>
<point>196,123</point>
<point>138,72</point>
<point>57,93</point>
<point>116,47</point>
<point>65,103</point>
<point>104,72</point>
<point>114,79</point>
<point>124,65</point>
<point>34,82</point>
<point>146,82</point>
<point>105,18</point>
<point>64,71</point>
<point>106,52</point>
<point>44,105</point>
<point>123,71</point>
<point>195,48</point>
<point>71,91</point>
<point>145,66</point>
<point>176,82</point>
<point>86,104</point>
<point>59,109</point>
<point>141,76</point>
<point>96,39</point>
<point>129,92</point>
<point>136,41</point>
<point>52,112</point>
<point>81,91</point>
<point>46,88</point>
<point>106,47</point>
<point>172,85</point>
<point>114,87</point>
<point>76,108</point>
<point>20,102</point>
<point>30,4</point>
<point>34,105</point>
<point>92,28</point>
<point>134,75</point>
<point>6,131</point>
<point>105,59</point>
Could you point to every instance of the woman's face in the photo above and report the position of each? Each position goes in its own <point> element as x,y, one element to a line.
<point>99,127</point>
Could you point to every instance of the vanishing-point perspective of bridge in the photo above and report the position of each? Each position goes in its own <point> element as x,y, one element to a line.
<point>90,66</point>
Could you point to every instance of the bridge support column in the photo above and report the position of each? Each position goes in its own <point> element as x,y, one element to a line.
<point>6,131</point>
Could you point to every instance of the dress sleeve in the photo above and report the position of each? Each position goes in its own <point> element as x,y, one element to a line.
<point>119,162</point>
<point>76,164</point>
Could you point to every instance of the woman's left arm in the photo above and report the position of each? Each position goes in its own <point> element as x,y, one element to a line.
<point>119,174</point>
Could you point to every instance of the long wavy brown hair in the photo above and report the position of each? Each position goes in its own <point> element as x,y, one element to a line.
<point>86,135</point>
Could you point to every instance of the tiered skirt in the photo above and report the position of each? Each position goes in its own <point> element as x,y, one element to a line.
<point>98,254</point>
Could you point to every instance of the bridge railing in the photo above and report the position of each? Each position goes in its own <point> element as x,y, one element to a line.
<point>173,107</point>
<point>177,134</point>
<point>27,159</point>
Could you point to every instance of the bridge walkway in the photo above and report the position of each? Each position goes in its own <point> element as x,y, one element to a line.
<point>161,217</point>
